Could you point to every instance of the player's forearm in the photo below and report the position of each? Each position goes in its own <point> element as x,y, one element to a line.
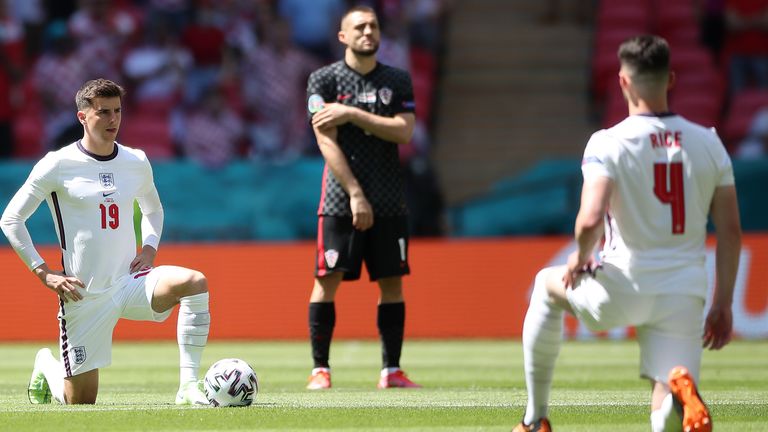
<point>338,165</point>
<point>15,229</point>
<point>152,228</point>
<point>587,236</point>
<point>724,211</point>
<point>398,129</point>
<point>727,265</point>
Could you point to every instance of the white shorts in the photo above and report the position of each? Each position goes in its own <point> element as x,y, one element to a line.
<point>86,326</point>
<point>669,326</point>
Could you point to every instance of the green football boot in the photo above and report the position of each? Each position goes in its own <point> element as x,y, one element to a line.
<point>38,390</point>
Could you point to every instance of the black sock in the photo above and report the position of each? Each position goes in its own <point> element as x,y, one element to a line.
<point>322,319</point>
<point>391,323</point>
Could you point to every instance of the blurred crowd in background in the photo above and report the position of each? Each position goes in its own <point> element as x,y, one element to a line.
<point>719,51</point>
<point>209,80</point>
<point>220,81</point>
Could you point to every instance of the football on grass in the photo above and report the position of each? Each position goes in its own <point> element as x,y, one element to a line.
<point>231,382</point>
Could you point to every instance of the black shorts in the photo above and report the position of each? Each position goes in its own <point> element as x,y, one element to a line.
<point>383,247</point>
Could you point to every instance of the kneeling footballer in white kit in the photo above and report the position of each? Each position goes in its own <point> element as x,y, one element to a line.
<point>650,184</point>
<point>90,187</point>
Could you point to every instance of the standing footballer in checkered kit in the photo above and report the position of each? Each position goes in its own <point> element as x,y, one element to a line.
<point>360,110</point>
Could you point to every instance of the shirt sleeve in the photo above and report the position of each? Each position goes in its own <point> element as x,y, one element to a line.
<point>403,99</point>
<point>24,203</point>
<point>319,91</point>
<point>152,215</point>
<point>596,161</point>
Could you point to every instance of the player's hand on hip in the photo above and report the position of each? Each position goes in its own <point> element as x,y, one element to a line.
<point>144,260</point>
<point>362,212</point>
<point>64,286</point>
<point>718,327</point>
<point>576,265</point>
<point>332,115</point>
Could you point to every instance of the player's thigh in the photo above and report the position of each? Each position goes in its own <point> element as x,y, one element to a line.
<point>672,336</point>
<point>605,301</point>
<point>139,294</point>
<point>339,247</point>
<point>386,249</point>
<point>86,332</point>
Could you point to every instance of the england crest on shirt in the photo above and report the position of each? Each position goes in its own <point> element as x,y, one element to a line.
<point>79,354</point>
<point>107,180</point>
<point>385,94</point>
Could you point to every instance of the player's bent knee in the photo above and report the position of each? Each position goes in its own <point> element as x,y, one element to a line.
<point>198,282</point>
<point>193,283</point>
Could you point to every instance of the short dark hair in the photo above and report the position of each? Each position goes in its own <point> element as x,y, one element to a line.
<point>97,88</point>
<point>645,55</point>
<point>358,8</point>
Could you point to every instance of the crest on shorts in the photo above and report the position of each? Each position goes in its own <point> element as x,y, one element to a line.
<point>107,180</point>
<point>331,257</point>
<point>79,353</point>
<point>385,94</point>
<point>315,103</point>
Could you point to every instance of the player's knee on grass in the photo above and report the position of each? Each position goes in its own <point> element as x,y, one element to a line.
<point>82,389</point>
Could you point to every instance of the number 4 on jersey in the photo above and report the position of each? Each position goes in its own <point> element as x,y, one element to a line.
<point>668,188</point>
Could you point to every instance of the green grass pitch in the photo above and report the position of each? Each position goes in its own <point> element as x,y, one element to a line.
<point>468,386</point>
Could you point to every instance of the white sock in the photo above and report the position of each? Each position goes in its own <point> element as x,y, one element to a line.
<point>667,418</point>
<point>542,336</point>
<point>54,374</point>
<point>389,370</point>
<point>192,334</point>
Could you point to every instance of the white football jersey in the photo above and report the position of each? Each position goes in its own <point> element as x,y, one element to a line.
<point>665,170</point>
<point>91,200</point>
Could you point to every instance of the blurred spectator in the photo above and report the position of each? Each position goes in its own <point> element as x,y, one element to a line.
<point>395,46</point>
<point>11,74</point>
<point>747,43</point>
<point>273,84</point>
<point>315,24</point>
<point>426,22</point>
<point>59,9</point>
<point>241,22</point>
<point>102,30</point>
<point>574,10</point>
<point>205,40</point>
<point>755,145</point>
<point>711,15</point>
<point>31,14</point>
<point>175,14</point>
<point>58,74</point>
<point>156,68</point>
<point>213,132</point>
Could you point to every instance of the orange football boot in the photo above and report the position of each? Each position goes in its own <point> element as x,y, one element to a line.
<point>541,425</point>
<point>696,416</point>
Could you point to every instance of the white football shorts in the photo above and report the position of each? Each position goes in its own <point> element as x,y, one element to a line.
<point>86,326</point>
<point>669,327</point>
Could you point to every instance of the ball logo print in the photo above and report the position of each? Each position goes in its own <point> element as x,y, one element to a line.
<point>231,382</point>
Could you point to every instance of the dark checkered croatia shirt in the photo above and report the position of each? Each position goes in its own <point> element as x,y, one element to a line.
<point>385,91</point>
